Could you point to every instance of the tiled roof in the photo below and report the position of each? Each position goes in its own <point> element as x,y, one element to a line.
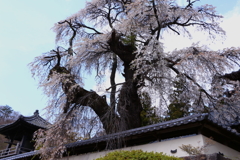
<point>1,126</point>
<point>136,131</point>
<point>35,120</point>
<point>23,155</point>
<point>154,127</point>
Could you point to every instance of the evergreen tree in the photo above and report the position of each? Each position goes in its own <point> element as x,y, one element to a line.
<point>178,107</point>
<point>149,114</point>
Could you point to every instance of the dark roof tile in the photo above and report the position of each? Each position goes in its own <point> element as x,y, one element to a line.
<point>154,127</point>
<point>135,131</point>
<point>23,155</point>
<point>35,120</point>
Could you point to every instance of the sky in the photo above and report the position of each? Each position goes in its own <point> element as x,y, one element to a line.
<point>25,32</point>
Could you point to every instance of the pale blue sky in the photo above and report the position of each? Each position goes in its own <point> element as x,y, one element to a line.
<point>25,32</point>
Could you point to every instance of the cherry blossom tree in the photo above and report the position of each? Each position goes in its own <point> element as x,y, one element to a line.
<point>125,36</point>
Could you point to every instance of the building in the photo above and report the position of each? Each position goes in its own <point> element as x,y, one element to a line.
<point>20,134</point>
<point>167,137</point>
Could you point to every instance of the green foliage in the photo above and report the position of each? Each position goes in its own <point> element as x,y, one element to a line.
<point>130,40</point>
<point>181,105</point>
<point>148,114</point>
<point>136,155</point>
<point>175,110</point>
<point>178,107</point>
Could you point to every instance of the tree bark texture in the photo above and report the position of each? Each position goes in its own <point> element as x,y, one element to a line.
<point>128,106</point>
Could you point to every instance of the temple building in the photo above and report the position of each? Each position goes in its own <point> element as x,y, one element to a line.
<point>216,141</point>
<point>20,134</point>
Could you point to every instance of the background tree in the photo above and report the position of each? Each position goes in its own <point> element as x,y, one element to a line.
<point>7,115</point>
<point>149,113</point>
<point>124,36</point>
<point>179,103</point>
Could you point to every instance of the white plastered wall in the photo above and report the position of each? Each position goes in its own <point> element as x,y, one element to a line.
<point>167,146</point>
<point>216,147</point>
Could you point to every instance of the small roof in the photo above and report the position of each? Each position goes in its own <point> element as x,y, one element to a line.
<point>32,122</point>
<point>27,155</point>
<point>36,120</point>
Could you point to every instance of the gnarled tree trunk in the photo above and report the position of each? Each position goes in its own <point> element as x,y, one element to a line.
<point>129,106</point>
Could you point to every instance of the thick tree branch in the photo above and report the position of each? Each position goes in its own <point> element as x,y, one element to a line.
<point>190,3</point>
<point>234,76</point>
<point>115,85</point>
<point>70,50</point>
<point>173,30</point>
<point>125,52</point>
<point>78,95</point>
<point>112,82</point>
<point>156,15</point>
<point>79,24</point>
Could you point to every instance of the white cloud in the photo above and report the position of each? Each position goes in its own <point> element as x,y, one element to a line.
<point>181,2</point>
<point>230,23</point>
